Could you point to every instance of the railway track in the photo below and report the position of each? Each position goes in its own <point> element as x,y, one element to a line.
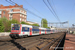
<point>32,43</point>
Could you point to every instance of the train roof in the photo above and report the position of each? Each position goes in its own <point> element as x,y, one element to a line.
<point>34,26</point>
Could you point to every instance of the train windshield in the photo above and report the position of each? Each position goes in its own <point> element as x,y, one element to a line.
<point>15,26</point>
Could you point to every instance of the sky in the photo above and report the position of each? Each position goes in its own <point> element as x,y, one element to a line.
<point>65,9</point>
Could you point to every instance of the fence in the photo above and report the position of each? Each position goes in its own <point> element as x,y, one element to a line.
<point>4,33</point>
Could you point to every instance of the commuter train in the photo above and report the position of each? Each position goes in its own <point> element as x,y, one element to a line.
<point>22,30</point>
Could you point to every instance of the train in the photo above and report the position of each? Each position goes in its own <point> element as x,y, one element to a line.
<point>23,30</point>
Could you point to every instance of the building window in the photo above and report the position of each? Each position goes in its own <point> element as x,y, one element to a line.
<point>25,20</point>
<point>23,11</point>
<point>3,12</point>
<point>11,10</point>
<point>20,14</point>
<point>10,15</point>
<point>0,16</point>
<point>20,19</point>
<point>0,12</point>
<point>10,18</point>
<point>20,10</point>
<point>23,15</point>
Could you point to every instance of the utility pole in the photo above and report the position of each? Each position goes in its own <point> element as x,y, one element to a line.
<point>68,27</point>
<point>42,23</point>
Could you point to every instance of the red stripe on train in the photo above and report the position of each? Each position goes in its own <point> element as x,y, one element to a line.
<point>45,31</point>
<point>23,32</point>
<point>30,31</point>
<point>20,29</point>
<point>40,31</point>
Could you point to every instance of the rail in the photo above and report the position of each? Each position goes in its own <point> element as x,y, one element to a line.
<point>50,43</point>
<point>59,43</point>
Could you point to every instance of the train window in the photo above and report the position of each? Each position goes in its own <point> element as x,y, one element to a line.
<point>35,31</point>
<point>22,28</point>
<point>48,30</point>
<point>35,27</point>
<point>42,30</point>
<point>15,26</point>
<point>25,29</point>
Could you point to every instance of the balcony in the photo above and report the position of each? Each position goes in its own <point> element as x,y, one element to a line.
<point>0,12</point>
<point>18,12</point>
<point>10,16</point>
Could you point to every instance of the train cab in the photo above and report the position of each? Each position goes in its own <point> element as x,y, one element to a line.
<point>15,30</point>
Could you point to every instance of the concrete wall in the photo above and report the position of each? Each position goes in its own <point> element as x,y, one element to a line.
<point>4,33</point>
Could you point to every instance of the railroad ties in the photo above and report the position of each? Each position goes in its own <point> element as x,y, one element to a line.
<point>41,42</point>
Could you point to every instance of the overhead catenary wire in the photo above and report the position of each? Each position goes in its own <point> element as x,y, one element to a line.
<point>33,13</point>
<point>34,8</point>
<point>28,11</point>
<point>53,10</point>
<point>54,6</point>
<point>9,2</point>
<point>49,9</point>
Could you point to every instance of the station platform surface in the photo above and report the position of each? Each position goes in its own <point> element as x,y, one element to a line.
<point>69,42</point>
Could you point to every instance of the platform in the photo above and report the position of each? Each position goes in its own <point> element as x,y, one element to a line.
<point>69,42</point>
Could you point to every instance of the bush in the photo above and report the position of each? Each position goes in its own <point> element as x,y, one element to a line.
<point>5,25</point>
<point>25,23</point>
<point>35,25</point>
<point>29,24</point>
<point>1,26</point>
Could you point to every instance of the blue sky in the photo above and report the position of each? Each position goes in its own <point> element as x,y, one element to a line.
<point>65,10</point>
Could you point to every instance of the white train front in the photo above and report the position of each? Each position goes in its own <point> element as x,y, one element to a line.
<point>22,30</point>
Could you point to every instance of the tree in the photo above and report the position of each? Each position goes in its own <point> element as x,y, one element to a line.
<point>1,26</point>
<point>29,24</point>
<point>5,25</point>
<point>13,21</point>
<point>44,23</point>
<point>25,23</point>
<point>35,25</point>
<point>48,27</point>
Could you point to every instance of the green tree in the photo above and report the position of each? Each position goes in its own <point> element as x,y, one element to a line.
<point>35,25</point>
<point>13,21</point>
<point>44,23</point>
<point>48,27</point>
<point>5,25</point>
<point>29,24</point>
<point>25,23</point>
<point>1,26</point>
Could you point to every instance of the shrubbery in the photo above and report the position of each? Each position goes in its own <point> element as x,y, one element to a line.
<point>25,23</point>
<point>29,24</point>
<point>5,25</point>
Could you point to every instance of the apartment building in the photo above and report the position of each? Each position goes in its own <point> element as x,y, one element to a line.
<point>13,12</point>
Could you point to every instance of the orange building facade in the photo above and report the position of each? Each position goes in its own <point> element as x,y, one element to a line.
<point>13,12</point>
